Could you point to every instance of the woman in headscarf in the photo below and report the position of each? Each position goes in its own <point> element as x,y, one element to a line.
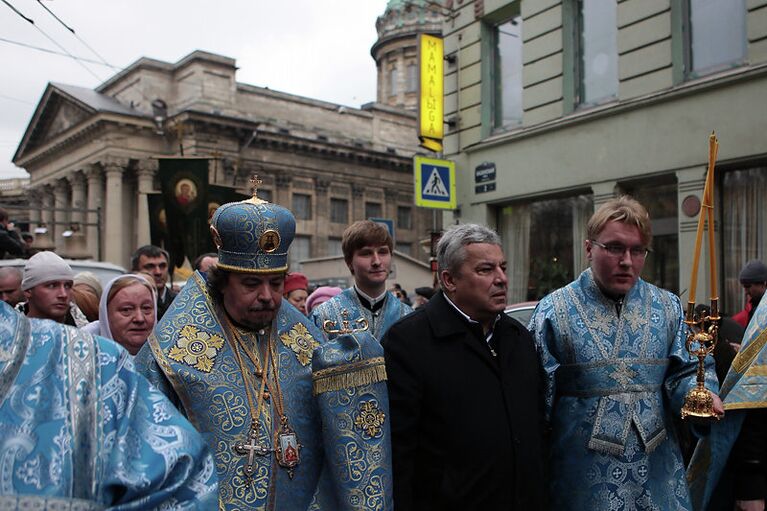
<point>127,311</point>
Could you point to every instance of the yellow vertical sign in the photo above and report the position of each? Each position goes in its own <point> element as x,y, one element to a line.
<point>430,104</point>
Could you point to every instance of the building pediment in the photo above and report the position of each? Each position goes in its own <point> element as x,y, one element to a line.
<point>62,109</point>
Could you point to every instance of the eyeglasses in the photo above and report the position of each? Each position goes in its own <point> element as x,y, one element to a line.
<point>617,250</point>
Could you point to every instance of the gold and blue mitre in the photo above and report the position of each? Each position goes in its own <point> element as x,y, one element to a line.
<point>253,236</point>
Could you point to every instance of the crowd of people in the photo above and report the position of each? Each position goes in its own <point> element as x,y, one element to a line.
<point>249,389</point>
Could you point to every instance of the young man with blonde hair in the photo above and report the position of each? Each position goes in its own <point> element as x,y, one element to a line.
<point>613,349</point>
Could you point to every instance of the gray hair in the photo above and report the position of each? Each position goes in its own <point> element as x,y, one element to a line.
<point>7,271</point>
<point>450,249</point>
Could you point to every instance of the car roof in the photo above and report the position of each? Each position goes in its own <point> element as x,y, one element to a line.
<point>103,270</point>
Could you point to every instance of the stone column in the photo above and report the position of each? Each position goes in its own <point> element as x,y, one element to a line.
<point>603,192</point>
<point>145,172</point>
<point>322,217</point>
<point>60,213</point>
<point>95,201</point>
<point>282,191</point>
<point>77,183</point>
<point>114,242</point>
<point>35,205</point>
<point>358,202</point>
<point>691,183</point>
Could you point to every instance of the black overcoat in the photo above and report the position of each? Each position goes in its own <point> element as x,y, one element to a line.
<point>467,427</point>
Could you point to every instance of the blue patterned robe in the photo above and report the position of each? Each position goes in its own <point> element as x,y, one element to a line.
<point>379,322</point>
<point>745,387</point>
<point>190,357</point>
<point>81,430</point>
<point>613,385</point>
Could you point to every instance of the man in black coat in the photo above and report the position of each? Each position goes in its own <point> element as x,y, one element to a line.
<point>465,390</point>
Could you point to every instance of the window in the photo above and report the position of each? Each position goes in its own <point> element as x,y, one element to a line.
<point>393,81</point>
<point>264,194</point>
<point>334,247</point>
<point>412,78</point>
<point>507,73</point>
<point>302,206</point>
<point>597,61</point>
<point>543,242</point>
<point>373,210</point>
<point>661,266</point>
<point>744,222</point>
<point>405,248</point>
<point>404,217</point>
<point>717,35</point>
<point>339,211</point>
<point>300,250</point>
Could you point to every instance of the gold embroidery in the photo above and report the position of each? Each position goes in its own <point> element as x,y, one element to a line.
<point>757,370</point>
<point>370,419</point>
<point>196,348</point>
<point>301,342</point>
<point>748,354</point>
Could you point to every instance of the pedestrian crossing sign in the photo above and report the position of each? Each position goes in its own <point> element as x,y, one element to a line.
<point>434,183</point>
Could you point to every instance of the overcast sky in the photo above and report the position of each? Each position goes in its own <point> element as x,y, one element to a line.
<point>314,48</point>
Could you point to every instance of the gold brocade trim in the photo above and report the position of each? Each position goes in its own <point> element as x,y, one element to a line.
<point>743,406</point>
<point>757,370</point>
<point>748,354</point>
<point>196,348</point>
<point>348,376</point>
<point>301,342</point>
<point>237,269</point>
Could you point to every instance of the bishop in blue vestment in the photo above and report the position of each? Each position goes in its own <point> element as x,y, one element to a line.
<point>295,422</point>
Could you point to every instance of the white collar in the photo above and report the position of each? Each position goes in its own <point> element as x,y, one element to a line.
<point>370,299</point>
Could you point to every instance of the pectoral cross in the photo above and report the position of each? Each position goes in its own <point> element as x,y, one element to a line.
<point>252,448</point>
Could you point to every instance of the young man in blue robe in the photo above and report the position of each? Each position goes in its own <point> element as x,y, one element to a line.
<point>294,421</point>
<point>367,248</point>
<point>81,429</point>
<point>613,348</point>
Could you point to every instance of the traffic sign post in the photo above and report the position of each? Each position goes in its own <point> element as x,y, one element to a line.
<point>434,183</point>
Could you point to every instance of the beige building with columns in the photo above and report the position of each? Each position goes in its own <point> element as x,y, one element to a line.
<point>92,155</point>
<point>562,104</point>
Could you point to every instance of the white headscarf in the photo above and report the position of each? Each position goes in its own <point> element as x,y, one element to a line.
<point>101,327</point>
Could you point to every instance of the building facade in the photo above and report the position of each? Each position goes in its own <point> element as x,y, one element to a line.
<point>92,155</point>
<point>561,104</point>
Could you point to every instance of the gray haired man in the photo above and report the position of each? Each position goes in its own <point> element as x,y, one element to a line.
<point>464,389</point>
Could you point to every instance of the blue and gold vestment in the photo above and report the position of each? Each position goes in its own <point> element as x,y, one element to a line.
<point>744,387</point>
<point>613,383</point>
<point>380,321</point>
<point>80,429</point>
<point>343,464</point>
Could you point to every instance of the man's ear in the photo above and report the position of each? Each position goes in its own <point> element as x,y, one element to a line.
<point>27,294</point>
<point>588,247</point>
<point>448,281</point>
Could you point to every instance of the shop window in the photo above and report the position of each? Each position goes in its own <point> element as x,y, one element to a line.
<point>543,243</point>
<point>743,229</point>
<point>661,266</point>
